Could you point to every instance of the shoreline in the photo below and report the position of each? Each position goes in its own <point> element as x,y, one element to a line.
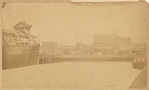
<point>75,58</point>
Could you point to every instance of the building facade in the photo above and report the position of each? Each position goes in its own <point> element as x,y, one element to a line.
<point>112,43</point>
<point>125,45</point>
<point>139,48</point>
<point>47,47</point>
<point>105,43</point>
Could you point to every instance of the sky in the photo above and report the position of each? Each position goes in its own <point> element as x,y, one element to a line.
<point>68,23</point>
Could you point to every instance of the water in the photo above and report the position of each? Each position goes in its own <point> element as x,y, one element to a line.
<point>72,75</point>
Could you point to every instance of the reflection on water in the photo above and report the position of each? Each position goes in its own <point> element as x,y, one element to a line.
<point>72,75</point>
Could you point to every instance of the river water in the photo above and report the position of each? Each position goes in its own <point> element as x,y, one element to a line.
<point>71,75</point>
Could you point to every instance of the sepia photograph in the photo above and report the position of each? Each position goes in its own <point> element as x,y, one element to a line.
<point>74,45</point>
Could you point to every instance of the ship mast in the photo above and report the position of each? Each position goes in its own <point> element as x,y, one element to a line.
<point>22,11</point>
<point>3,5</point>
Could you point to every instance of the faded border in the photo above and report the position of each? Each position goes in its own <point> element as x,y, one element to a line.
<point>47,1</point>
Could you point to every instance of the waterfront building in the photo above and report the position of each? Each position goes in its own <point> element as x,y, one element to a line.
<point>105,43</point>
<point>125,45</point>
<point>139,48</point>
<point>81,46</point>
<point>47,47</point>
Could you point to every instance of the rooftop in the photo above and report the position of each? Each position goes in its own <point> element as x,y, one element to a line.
<point>22,24</point>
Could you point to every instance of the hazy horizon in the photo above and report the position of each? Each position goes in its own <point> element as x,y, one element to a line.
<point>68,23</point>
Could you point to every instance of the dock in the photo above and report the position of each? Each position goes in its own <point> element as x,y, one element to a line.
<point>87,57</point>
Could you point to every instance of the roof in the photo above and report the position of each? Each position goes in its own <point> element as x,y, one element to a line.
<point>22,24</point>
<point>125,40</point>
<point>106,34</point>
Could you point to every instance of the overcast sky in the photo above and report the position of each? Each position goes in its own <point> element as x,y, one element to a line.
<point>67,23</point>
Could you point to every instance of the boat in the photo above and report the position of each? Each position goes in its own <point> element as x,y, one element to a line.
<point>19,47</point>
<point>139,63</point>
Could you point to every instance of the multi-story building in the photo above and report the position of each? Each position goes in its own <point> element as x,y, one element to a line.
<point>105,43</point>
<point>125,45</point>
<point>47,47</point>
<point>112,43</point>
<point>139,48</point>
<point>81,46</point>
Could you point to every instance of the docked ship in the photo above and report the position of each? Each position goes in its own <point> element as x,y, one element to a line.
<point>139,63</point>
<point>19,47</point>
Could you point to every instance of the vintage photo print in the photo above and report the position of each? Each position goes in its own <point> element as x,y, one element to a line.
<point>74,45</point>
